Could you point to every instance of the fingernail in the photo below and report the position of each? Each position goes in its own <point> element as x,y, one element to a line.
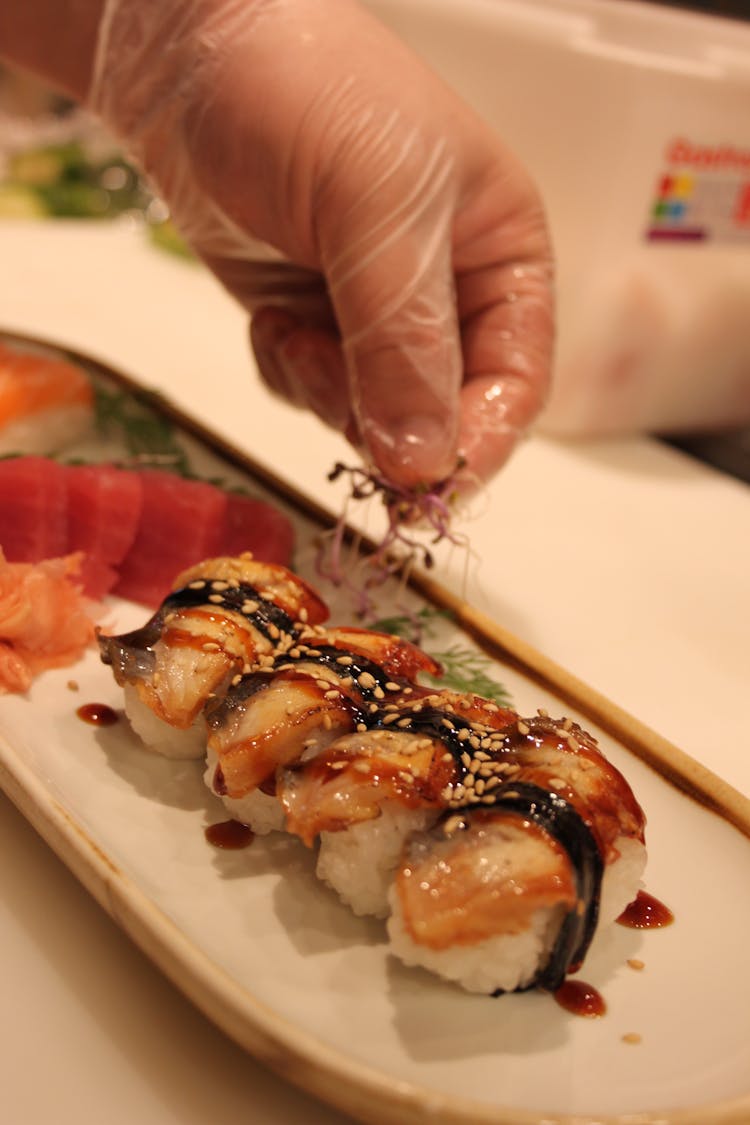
<point>418,448</point>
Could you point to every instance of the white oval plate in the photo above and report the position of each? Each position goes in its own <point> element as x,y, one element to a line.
<point>272,957</point>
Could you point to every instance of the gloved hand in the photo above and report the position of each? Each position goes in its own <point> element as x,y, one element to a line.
<point>393,254</point>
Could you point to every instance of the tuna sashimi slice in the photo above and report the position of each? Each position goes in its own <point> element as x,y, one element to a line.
<point>181,523</point>
<point>104,510</point>
<point>33,509</point>
<point>252,525</point>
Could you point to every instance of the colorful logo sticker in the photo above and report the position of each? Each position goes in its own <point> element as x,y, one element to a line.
<point>704,193</point>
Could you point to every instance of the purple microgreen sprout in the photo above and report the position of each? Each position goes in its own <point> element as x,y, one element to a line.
<point>399,548</point>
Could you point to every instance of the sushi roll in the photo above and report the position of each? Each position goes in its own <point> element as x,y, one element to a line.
<point>224,616</point>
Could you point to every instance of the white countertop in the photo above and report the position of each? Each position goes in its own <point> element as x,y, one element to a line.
<point>622,560</point>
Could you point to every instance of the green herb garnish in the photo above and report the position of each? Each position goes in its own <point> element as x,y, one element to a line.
<point>464,669</point>
<point>148,437</point>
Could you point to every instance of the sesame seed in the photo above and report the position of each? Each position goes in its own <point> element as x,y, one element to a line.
<point>379,693</point>
<point>479,786</point>
<point>361,728</point>
<point>217,599</point>
<point>447,723</point>
<point>463,734</point>
<point>403,723</point>
<point>219,584</point>
<point>338,765</point>
<point>361,767</point>
<point>474,767</point>
<point>345,660</point>
<point>488,799</point>
<point>333,694</point>
<point>636,963</point>
<point>303,615</point>
<point>365,680</point>
<point>273,631</point>
<point>522,727</point>
<point>632,1037</point>
<point>327,724</point>
<point>391,717</point>
<point>452,824</point>
<point>556,783</point>
<point>211,646</point>
<point>573,743</point>
<point>391,686</point>
<point>197,585</point>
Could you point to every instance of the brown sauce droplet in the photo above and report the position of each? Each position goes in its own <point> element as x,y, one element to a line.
<point>98,714</point>
<point>580,998</point>
<point>646,913</point>
<point>230,834</point>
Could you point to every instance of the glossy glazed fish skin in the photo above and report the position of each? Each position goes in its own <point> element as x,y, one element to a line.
<point>188,653</point>
<point>319,687</point>
<point>350,780</point>
<point>487,877</point>
<point>560,756</point>
<point>269,719</point>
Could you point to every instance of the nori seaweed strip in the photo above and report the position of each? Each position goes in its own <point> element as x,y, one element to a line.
<point>266,613</point>
<point>135,647</point>
<point>557,817</point>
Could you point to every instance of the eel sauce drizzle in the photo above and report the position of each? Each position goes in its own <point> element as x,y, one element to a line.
<point>97,714</point>
<point>646,913</point>
<point>229,834</point>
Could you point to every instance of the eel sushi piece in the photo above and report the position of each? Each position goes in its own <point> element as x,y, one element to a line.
<point>501,897</point>
<point>365,793</point>
<point>317,686</point>
<point>542,842</point>
<point>224,615</point>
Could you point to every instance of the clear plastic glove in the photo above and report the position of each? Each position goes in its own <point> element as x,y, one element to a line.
<point>393,254</point>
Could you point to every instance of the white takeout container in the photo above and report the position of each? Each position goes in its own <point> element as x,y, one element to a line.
<point>634,120</point>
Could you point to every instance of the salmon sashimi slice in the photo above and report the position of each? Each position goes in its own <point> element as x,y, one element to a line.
<point>31,383</point>
<point>44,619</point>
